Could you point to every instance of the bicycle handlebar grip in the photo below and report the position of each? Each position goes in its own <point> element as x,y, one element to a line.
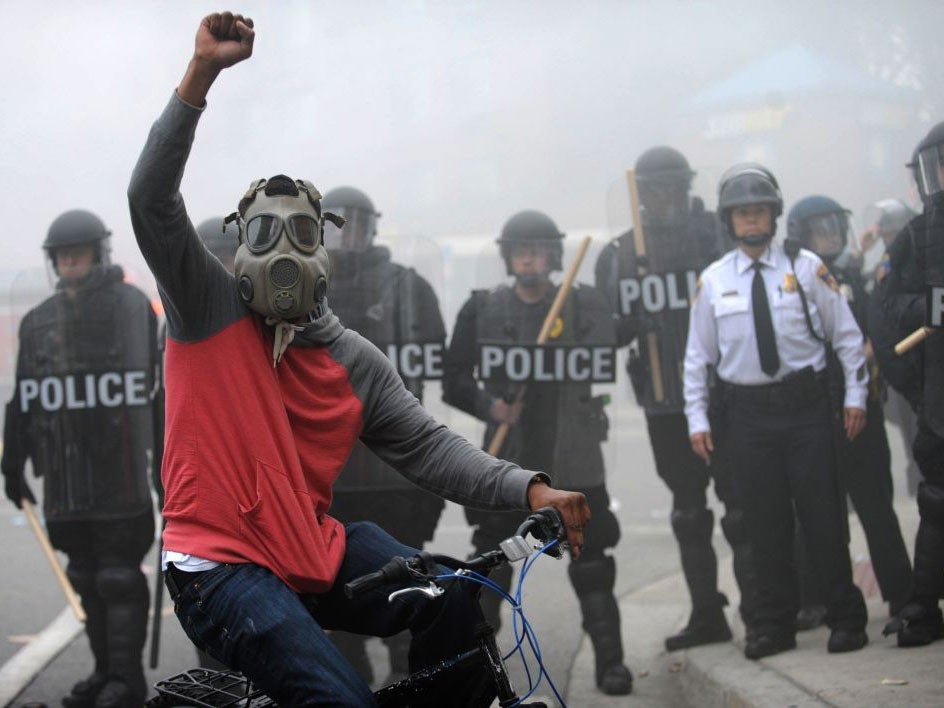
<point>376,579</point>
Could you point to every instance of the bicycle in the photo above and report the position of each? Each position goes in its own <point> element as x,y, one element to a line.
<point>206,688</point>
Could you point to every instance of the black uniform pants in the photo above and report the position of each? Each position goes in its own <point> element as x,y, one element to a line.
<point>684,473</point>
<point>866,473</point>
<point>687,476</point>
<point>105,569</point>
<point>782,458</point>
<point>929,542</point>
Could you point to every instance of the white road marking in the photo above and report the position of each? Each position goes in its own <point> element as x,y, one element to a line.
<point>30,660</point>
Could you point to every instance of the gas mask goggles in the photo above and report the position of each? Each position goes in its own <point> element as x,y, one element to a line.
<point>281,264</point>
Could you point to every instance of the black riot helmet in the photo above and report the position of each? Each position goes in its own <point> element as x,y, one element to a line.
<point>819,224</point>
<point>532,227</point>
<point>927,165</point>
<point>749,183</point>
<point>893,216</point>
<point>664,178</point>
<point>360,218</point>
<point>75,228</point>
<point>221,239</point>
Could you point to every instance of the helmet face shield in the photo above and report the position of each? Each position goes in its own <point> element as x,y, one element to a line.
<point>664,200</point>
<point>356,235</point>
<point>264,230</point>
<point>828,234</point>
<point>930,171</point>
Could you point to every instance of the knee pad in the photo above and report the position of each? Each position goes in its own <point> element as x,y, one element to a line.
<point>121,582</point>
<point>82,577</point>
<point>692,524</point>
<point>931,503</point>
<point>603,531</point>
<point>733,527</point>
<point>592,574</point>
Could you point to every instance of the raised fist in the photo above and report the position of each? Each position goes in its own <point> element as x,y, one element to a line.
<point>223,39</point>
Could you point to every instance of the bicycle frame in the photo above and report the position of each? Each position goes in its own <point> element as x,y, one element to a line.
<point>205,688</point>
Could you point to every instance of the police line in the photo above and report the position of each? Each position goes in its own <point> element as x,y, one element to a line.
<point>417,361</point>
<point>110,389</point>
<point>549,363</point>
<point>658,292</point>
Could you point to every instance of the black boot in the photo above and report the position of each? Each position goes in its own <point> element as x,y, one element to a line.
<point>601,621</point>
<point>593,580</point>
<point>83,693</point>
<point>919,624</point>
<point>125,592</point>
<point>706,625</point>
<point>353,647</point>
<point>116,693</point>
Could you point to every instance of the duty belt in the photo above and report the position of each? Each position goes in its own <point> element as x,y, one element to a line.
<point>794,391</point>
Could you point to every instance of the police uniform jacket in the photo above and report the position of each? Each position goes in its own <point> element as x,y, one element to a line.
<point>721,329</point>
<point>82,411</point>
<point>390,305</point>
<point>562,424</point>
<point>915,261</point>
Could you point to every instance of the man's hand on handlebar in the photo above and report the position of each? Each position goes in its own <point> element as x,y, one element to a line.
<point>572,507</point>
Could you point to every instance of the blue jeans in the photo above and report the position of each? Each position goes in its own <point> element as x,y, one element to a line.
<point>249,619</point>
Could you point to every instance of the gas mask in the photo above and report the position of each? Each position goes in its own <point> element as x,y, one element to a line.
<point>281,265</point>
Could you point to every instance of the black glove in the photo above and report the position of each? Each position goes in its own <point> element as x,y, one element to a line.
<point>16,488</point>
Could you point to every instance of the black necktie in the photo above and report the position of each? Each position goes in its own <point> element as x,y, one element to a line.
<point>763,325</point>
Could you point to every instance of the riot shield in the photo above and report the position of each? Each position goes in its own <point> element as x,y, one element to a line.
<point>649,273</point>
<point>21,291</point>
<point>388,293</point>
<point>81,409</point>
<point>517,362</point>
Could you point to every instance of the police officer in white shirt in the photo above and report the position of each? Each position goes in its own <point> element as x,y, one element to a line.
<point>761,318</point>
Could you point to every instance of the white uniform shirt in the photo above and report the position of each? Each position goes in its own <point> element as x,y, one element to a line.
<point>721,327</point>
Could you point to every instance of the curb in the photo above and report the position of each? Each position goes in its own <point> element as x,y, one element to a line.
<point>718,676</point>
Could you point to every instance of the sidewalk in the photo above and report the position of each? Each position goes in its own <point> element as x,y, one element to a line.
<point>719,675</point>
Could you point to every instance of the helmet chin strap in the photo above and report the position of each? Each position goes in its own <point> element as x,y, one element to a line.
<point>532,279</point>
<point>755,239</point>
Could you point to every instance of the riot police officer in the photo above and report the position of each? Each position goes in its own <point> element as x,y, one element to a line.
<point>395,308</point>
<point>915,261</point>
<point>82,414</point>
<point>821,225</point>
<point>557,427</point>
<point>763,331</point>
<point>681,239</point>
<point>892,215</point>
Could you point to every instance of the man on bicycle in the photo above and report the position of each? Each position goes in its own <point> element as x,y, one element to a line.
<point>266,396</point>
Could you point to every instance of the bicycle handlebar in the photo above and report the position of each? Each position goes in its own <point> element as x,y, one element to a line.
<point>545,525</point>
<point>395,570</point>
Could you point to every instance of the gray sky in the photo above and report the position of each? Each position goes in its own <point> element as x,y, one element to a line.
<point>451,115</point>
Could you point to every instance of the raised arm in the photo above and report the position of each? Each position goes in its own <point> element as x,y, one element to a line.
<point>184,270</point>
